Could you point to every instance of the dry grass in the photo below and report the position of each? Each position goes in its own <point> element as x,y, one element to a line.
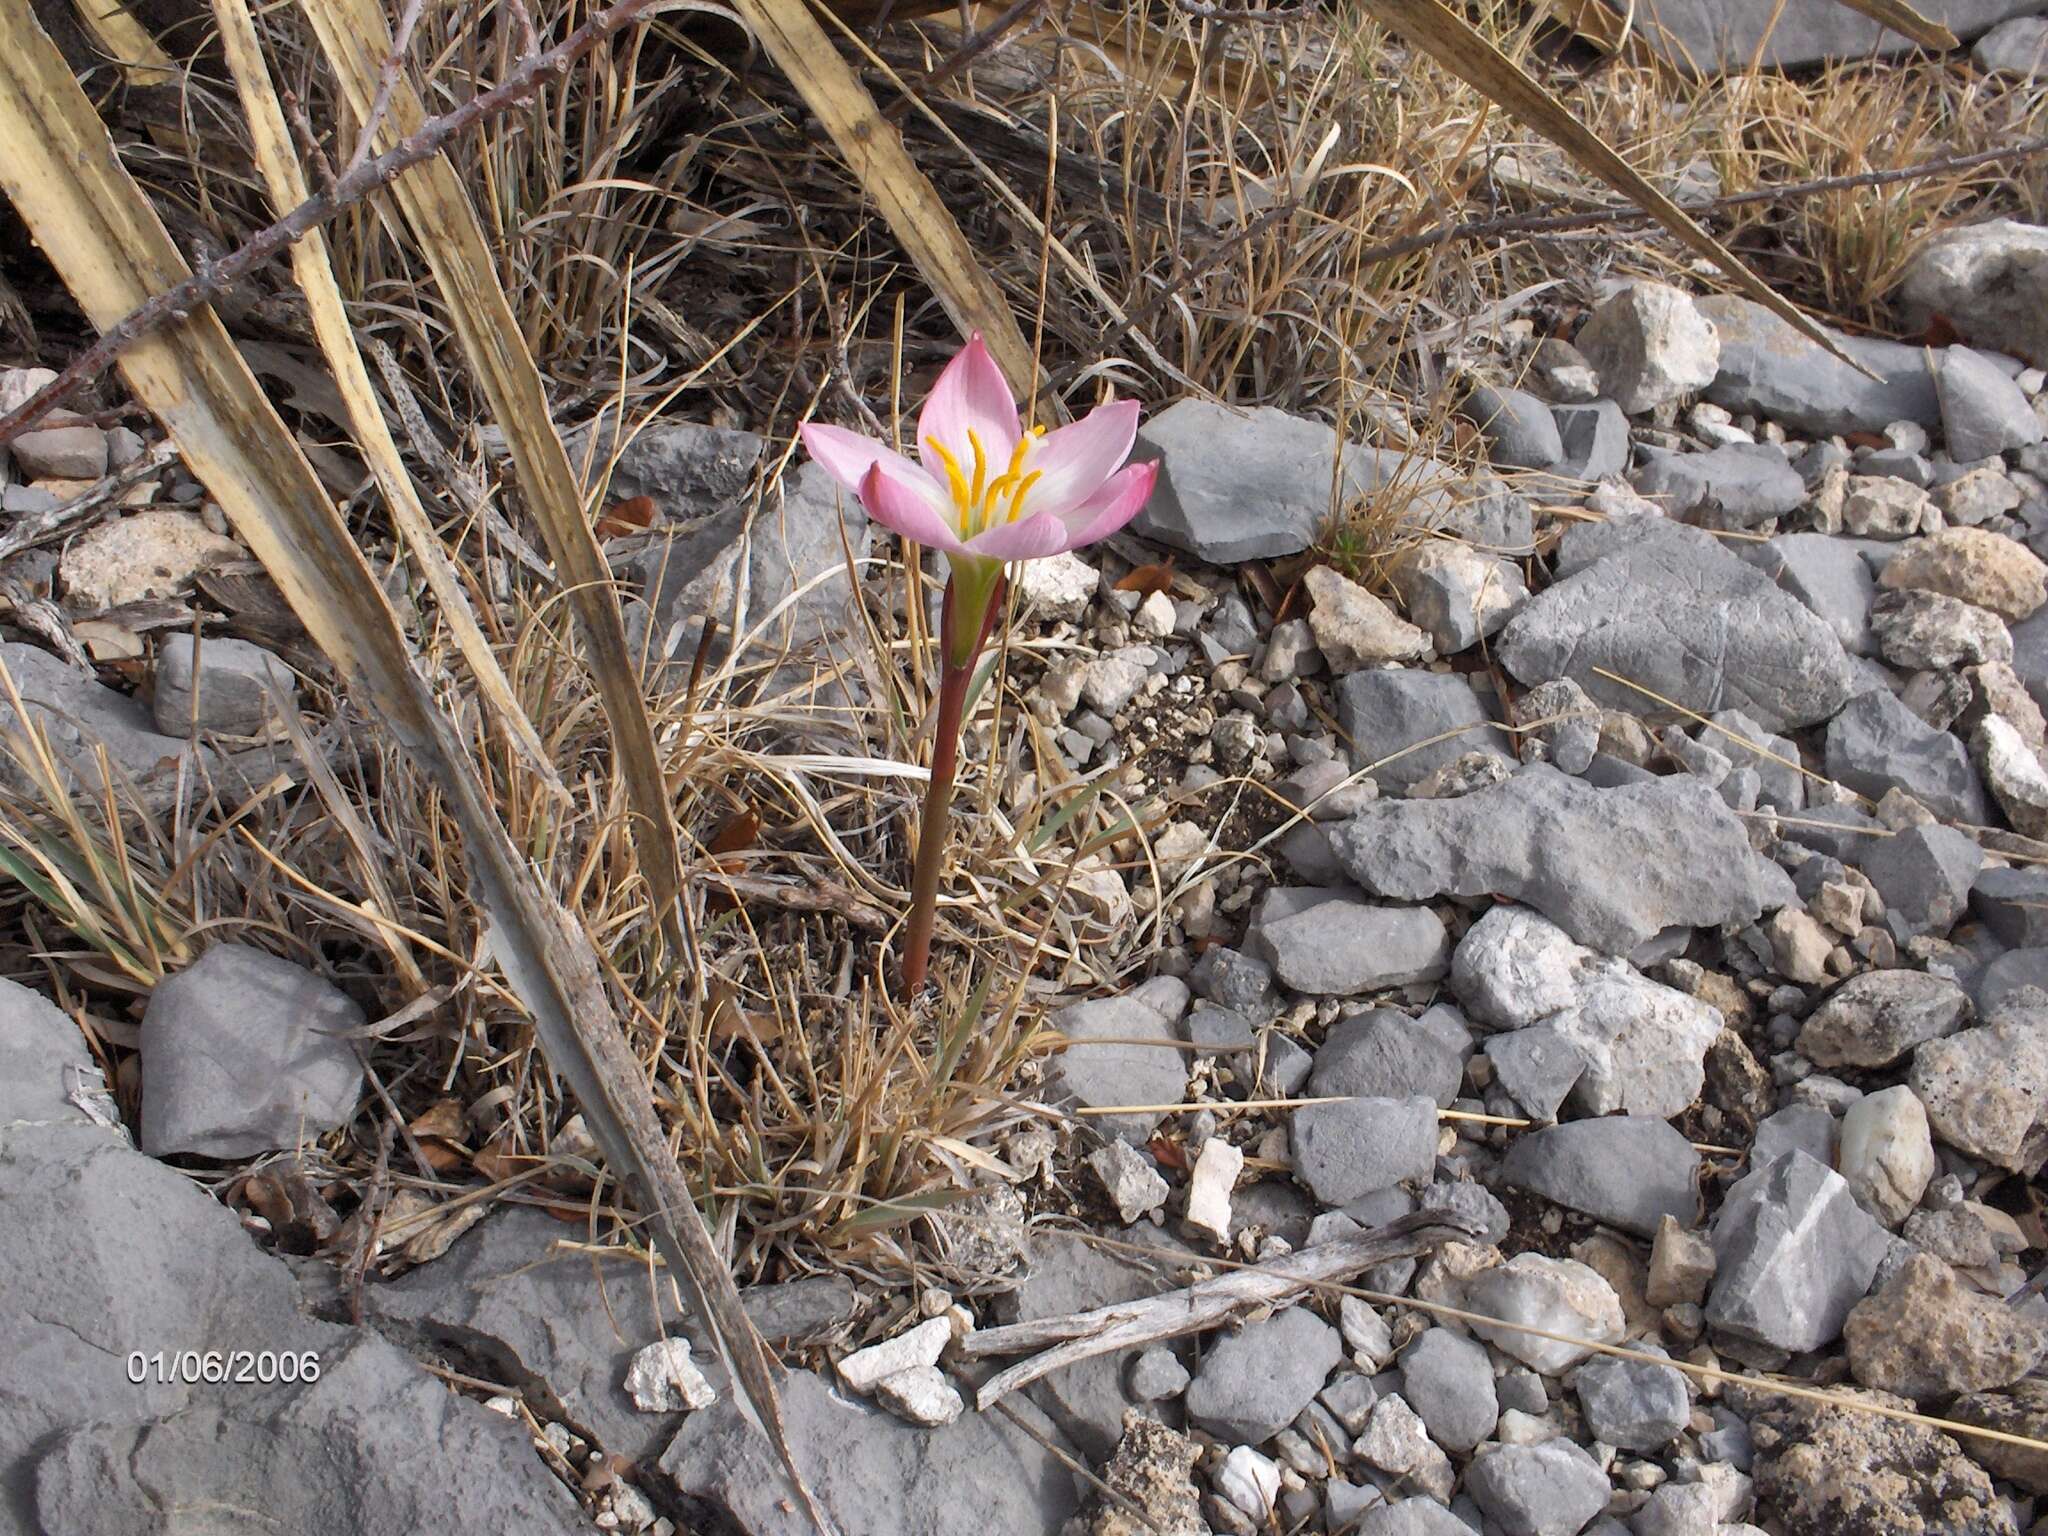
<point>675,241</point>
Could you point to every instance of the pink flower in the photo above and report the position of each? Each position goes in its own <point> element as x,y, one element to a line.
<point>984,488</point>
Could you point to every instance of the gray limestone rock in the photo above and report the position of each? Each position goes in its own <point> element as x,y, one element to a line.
<point>1448,1381</point>
<point>1356,1147</point>
<point>1873,1019</point>
<point>1383,1053</point>
<point>1794,1253</point>
<point>1829,577</point>
<point>1983,413</point>
<point>1538,1068</point>
<point>1924,875</point>
<point>1611,867</point>
<point>872,1472</point>
<point>1729,34</point>
<point>1390,714</point>
<point>1104,1067</point>
<point>1629,1171</point>
<point>1738,485</point>
<point>1876,743</point>
<point>1331,943</point>
<point>1986,1089</point>
<point>1650,345</point>
<point>243,1053</point>
<point>1594,438</point>
<point>1551,1489</point>
<point>232,681</point>
<point>1252,1383</point>
<point>1990,280</point>
<point>1670,610</point>
<point>1632,1405</point>
<point>1769,369</point>
<point>1519,430</point>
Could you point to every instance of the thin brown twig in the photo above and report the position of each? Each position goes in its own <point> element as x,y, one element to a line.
<point>211,278</point>
<point>387,81</point>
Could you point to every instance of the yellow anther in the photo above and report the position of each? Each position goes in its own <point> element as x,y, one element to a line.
<point>1017,496</point>
<point>955,481</point>
<point>977,500</point>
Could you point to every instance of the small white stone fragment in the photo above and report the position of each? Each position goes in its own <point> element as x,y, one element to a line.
<point>1134,1186</point>
<point>1058,588</point>
<point>1155,616</point>
<point>633,1510</point>
<point>1215,1175</point>
<point>1394,1439</point>
<point>1366,1333</point>
<point>508,1406</point>
<point>921,1394</point>
<point>664,1379</point>
<point>1250,1482</point>
<point>864,1369</point>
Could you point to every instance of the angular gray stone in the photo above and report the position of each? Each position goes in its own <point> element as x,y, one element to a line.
<point>110,1252</point>
<point>1768,369</point>
<point>1448,1381</point>
<point>1538,1068</point>
<point>2013,904</point>
<point>1245,484</point>
<point>1924,875</point>
<point>1064,1274</point>
<point>1735,486</point>
<point>1253,1382</point>
<point>1983,413</point>
<point>1670,610</point>
<point>1728,34</point>
<point>1389,714</point>
<point>1876,743</point>
<point>1794,1253</point>
<point>76,712</point>
<point>1808,1128</point>
<point>1873,1019</point>
<point>1594,438</point>
<point>1356,1147</point>
<point>1104,1066</point>
<point>1631,1404</point>
<point>872,1472</point>
<point>1551,1489</point>
<point>1629,1171</point>
<point>1829,577</point>
<point>1562,1297</point>
<point>1329,943</point>
<point>691,471</point>
<point>1519,430</point>
<point>1383,1053</point>
<point>1406,1517</point>
<point>243,1053</point>
<point>234,679</point>
<point>1611,867</point>
<point>1779,782</point>
<point>1990,280</point>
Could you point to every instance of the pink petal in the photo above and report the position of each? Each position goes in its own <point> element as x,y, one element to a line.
<point>1073,462</point>
<point>971,395</point>
<point>1111,507</point>
<point>915,508</point>
<point>847,456</point>
<point>1031,538</point>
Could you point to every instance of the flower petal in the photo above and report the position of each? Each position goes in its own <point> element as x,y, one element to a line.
<point>914,508</point>
<point>1111,507</point>
<point>847,456</point>
<point>971,395</point>
<point>1073,462</point>
<point>1031,538</point>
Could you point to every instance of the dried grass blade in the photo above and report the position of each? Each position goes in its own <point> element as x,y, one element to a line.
<point>874,152</point>
<point>357,41</point>
<point>1462,49</point>
<point>279,164</point>
<point>66,181</point>
<point>1907,22</point>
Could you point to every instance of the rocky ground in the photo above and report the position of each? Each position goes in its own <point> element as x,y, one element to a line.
<point>1648,884</point>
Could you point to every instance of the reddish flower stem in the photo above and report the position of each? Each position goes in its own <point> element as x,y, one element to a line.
<point>938,798</point>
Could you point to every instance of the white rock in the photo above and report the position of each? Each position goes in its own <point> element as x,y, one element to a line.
<point>1651,346</point>
<point>1209,1188</point>
<point>1887,1153</point>
<point>921,1394</point>
<point>1395,1438</point>
<point>2013,774</point>
<point>1354,629</point>
<point>1560,1296</point>
<point>664,1379</point>
<point>1134,1186</point>
<point>146,554</point>
<point>1458,594</point>
<point>864,1369</point>
<point>1058,588</point>
<point>1155,616</point>
<point>1366,1333</point>
<point>1799,946</point>
<point>1250,1482</point>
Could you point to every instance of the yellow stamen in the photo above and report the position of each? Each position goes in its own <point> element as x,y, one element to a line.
<point>980,477</point>
<point>1017,496</point>
<point>955,481</point>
